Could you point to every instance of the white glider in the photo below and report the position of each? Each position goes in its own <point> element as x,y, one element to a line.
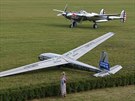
<point>49,60</point>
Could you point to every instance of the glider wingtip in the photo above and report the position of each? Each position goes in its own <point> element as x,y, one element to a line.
<point>112,33</point>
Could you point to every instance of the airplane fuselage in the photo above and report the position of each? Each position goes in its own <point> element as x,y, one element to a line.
<point>45,56</point>
<point>78,17</point>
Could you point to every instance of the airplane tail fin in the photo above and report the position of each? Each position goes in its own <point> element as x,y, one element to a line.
<point>102,12</point>
<point>104,64</point>
<point>123,16</point>
<point>105,67</point>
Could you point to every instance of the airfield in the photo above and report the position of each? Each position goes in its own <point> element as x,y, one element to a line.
<point>30,27</point>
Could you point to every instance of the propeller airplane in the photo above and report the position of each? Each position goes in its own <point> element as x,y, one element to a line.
<point>82,15</point>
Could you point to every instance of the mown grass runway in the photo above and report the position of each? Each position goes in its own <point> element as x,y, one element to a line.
<point>30,27</point>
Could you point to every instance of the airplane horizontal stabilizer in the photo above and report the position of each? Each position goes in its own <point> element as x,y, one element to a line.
<point>101,74</point>
<point>115,69</point>
<point>112,70</point>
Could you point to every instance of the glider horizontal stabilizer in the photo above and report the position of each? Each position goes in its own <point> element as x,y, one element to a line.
<point>112,70</point>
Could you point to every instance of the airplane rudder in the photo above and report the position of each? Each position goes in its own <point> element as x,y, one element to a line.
<point>102,11</point>
<point>103,63</point>
<point>123,16</point>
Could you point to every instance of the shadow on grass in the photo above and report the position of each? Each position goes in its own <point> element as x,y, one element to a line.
<point>67,26</point>
<point>58,25</point>
<point>88,27</point>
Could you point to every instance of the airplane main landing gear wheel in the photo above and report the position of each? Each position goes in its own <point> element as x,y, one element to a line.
<point>70,26</point>
<point>74,24</point>
<point>95,26</point>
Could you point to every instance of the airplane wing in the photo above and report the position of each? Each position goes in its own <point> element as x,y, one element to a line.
<point>34,66</point>
<point>105,20</point>
<point>80,51</point>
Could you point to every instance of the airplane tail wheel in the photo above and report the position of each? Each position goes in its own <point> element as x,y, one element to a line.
<point>95,26</point>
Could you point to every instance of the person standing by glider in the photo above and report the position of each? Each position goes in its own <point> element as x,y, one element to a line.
<point>63,84</point>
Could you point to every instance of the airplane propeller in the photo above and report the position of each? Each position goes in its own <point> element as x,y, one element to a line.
<point>61,12</point>
<point>65,9</point>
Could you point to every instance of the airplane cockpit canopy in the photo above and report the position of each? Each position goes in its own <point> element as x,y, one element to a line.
<point>82,11</point>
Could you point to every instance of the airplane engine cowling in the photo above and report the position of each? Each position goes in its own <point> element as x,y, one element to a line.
<point>46,56</point>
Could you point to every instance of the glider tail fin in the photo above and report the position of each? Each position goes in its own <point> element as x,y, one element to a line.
<point>105,67</point>
<point>104,64</point>
<point>102,12</point>
<point>123,16</point>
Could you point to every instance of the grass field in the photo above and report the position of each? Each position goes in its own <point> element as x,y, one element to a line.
<point>30,27</point>
<point>107,94</point>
